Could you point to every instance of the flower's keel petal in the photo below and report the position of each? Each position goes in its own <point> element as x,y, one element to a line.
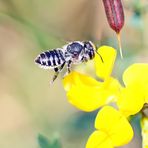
<point>115,125</point>
<point>104,69</point>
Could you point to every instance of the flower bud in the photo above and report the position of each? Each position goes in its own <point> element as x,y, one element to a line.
<point>115,14</point>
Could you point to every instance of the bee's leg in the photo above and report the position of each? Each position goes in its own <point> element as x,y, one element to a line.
<point>55,75</point>
<point>68,68</point>
<point>57,71</point>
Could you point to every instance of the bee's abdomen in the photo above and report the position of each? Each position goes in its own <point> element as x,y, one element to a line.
<point>51,58</point>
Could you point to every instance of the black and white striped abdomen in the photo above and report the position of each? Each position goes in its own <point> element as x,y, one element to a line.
<point>50,59</point>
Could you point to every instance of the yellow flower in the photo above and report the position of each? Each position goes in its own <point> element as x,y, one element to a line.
<point>88,94</point>
<point>112,130</point>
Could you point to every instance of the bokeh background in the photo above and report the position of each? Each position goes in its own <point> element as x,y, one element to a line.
<point>34,114</point>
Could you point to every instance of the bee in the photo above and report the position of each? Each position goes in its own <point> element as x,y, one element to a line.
<point>72,53</point>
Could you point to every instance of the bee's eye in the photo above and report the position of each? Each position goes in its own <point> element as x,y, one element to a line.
<point>87,45</point>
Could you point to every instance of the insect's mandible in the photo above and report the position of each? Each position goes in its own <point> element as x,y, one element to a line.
<point>73,53</point>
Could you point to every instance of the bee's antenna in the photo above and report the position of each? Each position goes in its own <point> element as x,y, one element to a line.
<point>99,55</point>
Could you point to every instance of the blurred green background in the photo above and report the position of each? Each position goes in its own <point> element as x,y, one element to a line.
<point>34,114</point>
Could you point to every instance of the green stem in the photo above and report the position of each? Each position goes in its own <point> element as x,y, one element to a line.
<point>144,126</point>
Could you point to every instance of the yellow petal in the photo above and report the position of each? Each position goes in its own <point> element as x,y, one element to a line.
<point>91,96</point>
<point>104,69</point>
<point>112,87</point>
<point>131,100</point>
<point>99,139</point>
<point>83,91</point>
<point>75,78</point>
<point>87,98</point>
<point>115,125</point>
<point>87,94</point>
<point>137,74</point>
